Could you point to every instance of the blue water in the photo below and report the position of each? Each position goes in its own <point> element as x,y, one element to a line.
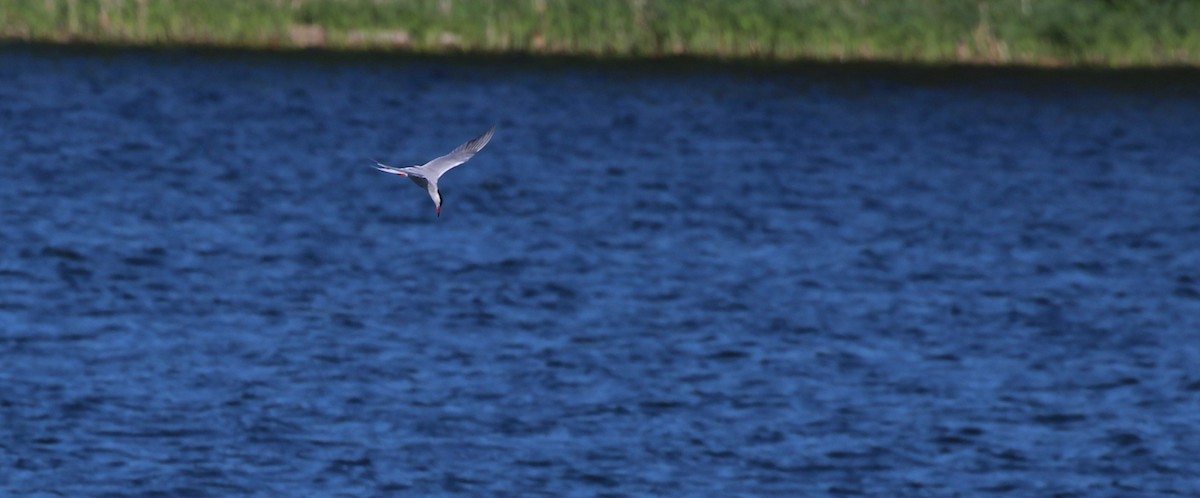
<point>657,280</point>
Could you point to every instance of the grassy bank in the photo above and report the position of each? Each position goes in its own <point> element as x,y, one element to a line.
<point>1039,32</point>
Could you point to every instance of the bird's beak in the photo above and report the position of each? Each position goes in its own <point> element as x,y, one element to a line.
<point>439,211</point>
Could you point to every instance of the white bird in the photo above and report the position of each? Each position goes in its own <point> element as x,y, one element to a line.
<point>426,175</point>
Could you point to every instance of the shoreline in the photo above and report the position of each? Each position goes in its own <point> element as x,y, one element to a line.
<point>1043,34</point>
<point>668,62</point>
<point>720,58</point>
<point>1165,80</point>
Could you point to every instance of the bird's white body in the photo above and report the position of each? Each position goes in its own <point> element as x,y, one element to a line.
<point>426,175</point>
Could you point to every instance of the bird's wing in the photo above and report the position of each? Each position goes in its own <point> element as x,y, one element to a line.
<point>437,167</point>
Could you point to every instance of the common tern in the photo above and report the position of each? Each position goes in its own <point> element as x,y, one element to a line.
<point>426,175</point>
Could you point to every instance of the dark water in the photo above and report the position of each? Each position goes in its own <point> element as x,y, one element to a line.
<point>655,281</point>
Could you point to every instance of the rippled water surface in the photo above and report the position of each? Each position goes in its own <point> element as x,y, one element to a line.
<point>656,280</point>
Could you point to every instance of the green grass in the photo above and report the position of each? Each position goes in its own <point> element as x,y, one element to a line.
<point>1039,32</point>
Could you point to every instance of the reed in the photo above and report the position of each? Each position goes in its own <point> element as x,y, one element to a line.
<point>1041,32</point>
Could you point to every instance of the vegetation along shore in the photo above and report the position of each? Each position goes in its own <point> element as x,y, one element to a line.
<point>1113,33</point>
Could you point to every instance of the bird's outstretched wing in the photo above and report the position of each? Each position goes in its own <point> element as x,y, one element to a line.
<point>437,167</point>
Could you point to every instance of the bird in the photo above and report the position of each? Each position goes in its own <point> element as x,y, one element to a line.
<point>426,175</point>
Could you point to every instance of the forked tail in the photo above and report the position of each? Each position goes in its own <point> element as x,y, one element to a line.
<point>388,169</point>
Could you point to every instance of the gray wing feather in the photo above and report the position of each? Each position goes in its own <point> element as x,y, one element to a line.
<point>437,167</point>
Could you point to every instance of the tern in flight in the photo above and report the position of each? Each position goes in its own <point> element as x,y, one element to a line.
<point>426,175</point>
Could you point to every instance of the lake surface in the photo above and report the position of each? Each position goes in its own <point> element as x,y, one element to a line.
<point>657,280</point>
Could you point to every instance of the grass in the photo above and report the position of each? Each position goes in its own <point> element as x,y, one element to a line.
<point>1033,32</point>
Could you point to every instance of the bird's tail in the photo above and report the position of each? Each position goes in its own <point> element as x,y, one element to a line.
<point>388,169</point>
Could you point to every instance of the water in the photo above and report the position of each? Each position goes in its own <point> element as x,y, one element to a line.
<point>656,280</point>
